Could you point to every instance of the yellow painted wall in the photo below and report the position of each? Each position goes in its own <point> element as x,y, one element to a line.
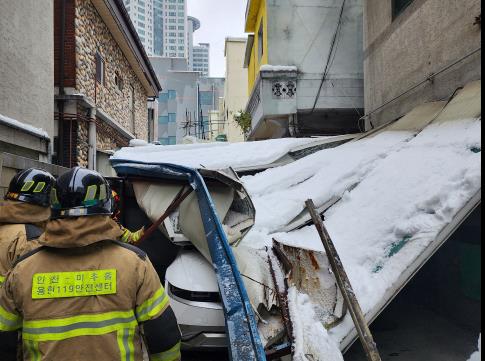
<point>255,63</point>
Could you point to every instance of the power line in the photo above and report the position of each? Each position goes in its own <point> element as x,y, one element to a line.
<point>330,55</point>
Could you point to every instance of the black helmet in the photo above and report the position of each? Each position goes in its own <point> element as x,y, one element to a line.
<point>31,186</point>
<point>81,192</point>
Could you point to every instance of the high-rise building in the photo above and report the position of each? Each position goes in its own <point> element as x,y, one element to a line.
<point>142,15</point>
<point>201,59</point>
<point>174,17</point>
<point>193,25</point>
<point>158,27</point>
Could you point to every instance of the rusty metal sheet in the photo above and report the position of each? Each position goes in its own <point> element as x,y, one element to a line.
<point>310,273</point>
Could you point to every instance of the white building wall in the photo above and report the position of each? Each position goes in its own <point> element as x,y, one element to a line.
<point>300,34</point>
<point>235,91</point>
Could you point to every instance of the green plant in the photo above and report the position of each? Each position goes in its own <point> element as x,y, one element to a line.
<point>244,120</point>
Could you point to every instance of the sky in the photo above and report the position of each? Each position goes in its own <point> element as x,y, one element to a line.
<point>219,19</point>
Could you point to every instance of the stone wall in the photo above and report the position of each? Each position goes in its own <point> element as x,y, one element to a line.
<point>92,35</point>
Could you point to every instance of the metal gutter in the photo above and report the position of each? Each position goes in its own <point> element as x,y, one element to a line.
<point>249,49</point>
<point>245,343</point>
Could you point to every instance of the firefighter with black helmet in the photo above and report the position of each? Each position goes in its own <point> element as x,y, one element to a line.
<point>24,213</point>
<point>83,295</point>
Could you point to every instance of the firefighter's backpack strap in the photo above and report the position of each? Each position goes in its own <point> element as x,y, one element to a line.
<point>32,232</point>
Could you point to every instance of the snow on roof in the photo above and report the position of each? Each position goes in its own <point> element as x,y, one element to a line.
<point>38,132</point>
<point>268,67</point>
<point>399,190</point>
<point>217,155</point>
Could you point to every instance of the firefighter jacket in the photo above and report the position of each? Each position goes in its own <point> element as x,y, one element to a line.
<point>83,297</point>
<point>21,224</point>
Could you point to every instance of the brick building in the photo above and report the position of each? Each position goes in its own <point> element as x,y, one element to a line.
<point>103,80</point>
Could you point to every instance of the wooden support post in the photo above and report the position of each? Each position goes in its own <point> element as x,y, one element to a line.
<point>179,198</point>
<point>345,286</point>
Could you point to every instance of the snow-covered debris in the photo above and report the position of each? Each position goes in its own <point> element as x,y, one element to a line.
<point>216,155</point>
<point>477,356</point>
<point>269,67</point>
<point>398,189</point>
<point>41,133</point>
<point>311,338</point>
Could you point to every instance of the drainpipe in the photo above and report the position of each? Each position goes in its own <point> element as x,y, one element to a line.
<point>60,125</point>
<point>92,139</point>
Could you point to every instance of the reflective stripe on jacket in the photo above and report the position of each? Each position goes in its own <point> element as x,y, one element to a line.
<point>71,309</point>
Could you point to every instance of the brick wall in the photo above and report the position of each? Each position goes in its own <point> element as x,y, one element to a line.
<point>69,43</point>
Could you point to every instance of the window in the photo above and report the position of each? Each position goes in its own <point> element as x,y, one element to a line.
<point>261,41</point>
<point>172,140</point>
<point>163,119</point>
<point>206,97</point>
<point>172,117</point>
<point>172,94</point>
<point>118,81</point>
<point>398,6</point>
<point>100,68</point>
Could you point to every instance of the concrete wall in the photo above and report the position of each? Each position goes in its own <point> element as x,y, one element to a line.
<point>27,63</point>
<point>235,92</point>
<point>173,75</point>
<point>300,34</point>
<point>427,37</point>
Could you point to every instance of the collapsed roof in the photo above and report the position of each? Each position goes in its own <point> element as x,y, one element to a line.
<point>390,199</point>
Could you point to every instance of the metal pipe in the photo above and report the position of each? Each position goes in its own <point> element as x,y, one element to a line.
<point>345,286</point>
<point>61,105</point>
<point>92,139</point>
<point>179,198</point>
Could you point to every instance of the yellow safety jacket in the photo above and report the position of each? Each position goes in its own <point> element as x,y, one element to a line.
<point>83,296</point>
<point>20,226</point>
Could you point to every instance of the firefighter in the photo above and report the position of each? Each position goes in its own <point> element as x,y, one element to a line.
<point>127,236</point>
<point>82,295</point>
<point>23,215</point>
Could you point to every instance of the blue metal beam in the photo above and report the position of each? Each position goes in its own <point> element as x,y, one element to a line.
<point>245,343</point>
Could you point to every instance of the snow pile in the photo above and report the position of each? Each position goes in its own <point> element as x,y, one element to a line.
<point>138,143</point>
<point>268,67</point>
<point>398,189</point>
<point>311,338</point>
<point>41,133</point>
<point>477,356</point>
<point>216,155</point>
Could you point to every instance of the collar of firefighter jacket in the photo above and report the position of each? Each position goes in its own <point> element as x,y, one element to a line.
<point>80,232</point>
<point>13,212</point>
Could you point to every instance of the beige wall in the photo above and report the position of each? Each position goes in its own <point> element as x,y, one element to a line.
<point>27,62</point>
<point>427,37</point>
<point>235,92</point>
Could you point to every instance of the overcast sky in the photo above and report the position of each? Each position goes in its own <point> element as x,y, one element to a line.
<point>219,19</point>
